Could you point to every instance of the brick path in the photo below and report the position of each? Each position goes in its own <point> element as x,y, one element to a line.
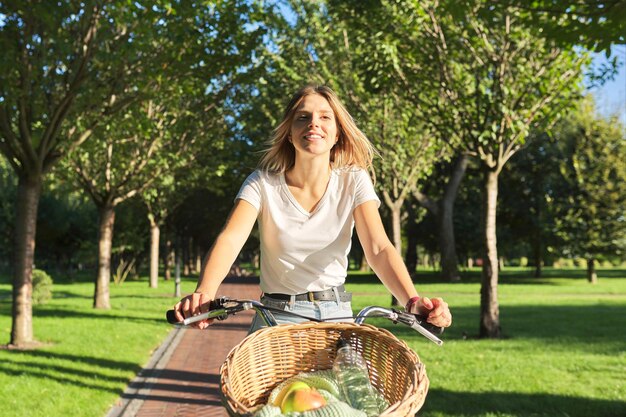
<point>182,378</point>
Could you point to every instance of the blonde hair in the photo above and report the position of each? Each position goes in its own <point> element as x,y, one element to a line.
<point>353,148</point>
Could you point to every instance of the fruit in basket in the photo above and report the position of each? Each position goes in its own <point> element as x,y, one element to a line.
<point>287,389</point>
<point>302,399</point>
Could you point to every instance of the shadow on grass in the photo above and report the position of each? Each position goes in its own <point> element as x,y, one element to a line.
<point>41,364</point>
<point>507,276</point>
<point>61,313</point>
<point>69,294</point>
<point>597,324</point>
<point>518,404</point>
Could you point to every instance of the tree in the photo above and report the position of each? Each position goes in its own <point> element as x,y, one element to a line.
<point>121,160</point>
<point>69,66</point>
<point>159,199</point>
<point>497,81</point>
<point>200,164</point>
<point>591,214</point>
<point>47,70</point>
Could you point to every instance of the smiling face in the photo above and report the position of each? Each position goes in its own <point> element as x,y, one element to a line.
<point>313,128</point>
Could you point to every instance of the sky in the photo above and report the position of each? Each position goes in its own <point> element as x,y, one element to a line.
<point>611,97</point>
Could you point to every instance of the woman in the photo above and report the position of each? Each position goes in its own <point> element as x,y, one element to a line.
<point>310,191</point>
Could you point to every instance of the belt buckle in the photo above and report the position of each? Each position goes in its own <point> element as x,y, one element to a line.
<point>311,297</point>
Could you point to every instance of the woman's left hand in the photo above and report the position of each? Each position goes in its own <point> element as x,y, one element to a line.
<point>435,310</point>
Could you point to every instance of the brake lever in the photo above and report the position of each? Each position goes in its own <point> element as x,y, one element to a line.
<point>420,325</point>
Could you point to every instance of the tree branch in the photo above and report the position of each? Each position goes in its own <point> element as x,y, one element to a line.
<point>426,202</point>
<point>49,137</point>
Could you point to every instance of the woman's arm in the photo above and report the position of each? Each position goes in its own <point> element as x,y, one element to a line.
<point>219,259</point>
<point>387,263</point>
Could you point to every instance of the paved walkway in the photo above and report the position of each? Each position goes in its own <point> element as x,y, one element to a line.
<point>182,377</point>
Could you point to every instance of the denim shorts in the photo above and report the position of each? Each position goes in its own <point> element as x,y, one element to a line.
<point>337,311</point>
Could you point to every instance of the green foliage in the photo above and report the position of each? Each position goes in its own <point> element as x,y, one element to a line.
<point>42,287</point>
<point>130,236</point>
<point>526,200</point>
<point>564,194</point>
<point>66,227</point>
<point>502,77</point>
<point>594,24</point>
<point>592,197</point>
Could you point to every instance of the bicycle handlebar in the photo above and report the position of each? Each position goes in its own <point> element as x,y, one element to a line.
<point>223,307</point>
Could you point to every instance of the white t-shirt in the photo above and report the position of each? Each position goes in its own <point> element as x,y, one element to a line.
<point>302,251</point>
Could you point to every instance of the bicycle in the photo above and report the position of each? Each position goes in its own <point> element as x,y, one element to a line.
<point>273,354</point>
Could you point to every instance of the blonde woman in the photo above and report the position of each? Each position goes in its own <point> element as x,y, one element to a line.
<point>310,191</point>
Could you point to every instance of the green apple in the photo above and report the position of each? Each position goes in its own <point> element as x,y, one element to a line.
<point>287,389</point>
<point>302,399</point>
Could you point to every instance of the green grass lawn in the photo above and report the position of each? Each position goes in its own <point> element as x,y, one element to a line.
<point>564,351</point>
<point>90,355</point>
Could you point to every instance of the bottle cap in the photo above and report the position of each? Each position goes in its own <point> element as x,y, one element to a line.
<point>341,342</point>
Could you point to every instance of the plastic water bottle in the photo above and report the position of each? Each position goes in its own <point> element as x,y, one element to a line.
<point>354,382</point>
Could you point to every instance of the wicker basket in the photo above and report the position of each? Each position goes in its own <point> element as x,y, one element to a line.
<point>269,356</point>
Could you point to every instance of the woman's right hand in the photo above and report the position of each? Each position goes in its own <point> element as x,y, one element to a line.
<point>192,305</point>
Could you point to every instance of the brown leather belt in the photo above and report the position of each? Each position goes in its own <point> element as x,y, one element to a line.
<point>326,295</point>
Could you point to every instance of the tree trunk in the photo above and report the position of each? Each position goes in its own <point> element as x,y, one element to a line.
<point>365,267</point>
<point>489,310</point>
<point>185,257</point>
<point>592,276</point>
<point>410,254</point>
<point>154,252</point>
<point>28,194</point>
<point>191,259</point>
<point>396,226</point>
<point>447,243</point>
<point>198,266</point>
<point>537,251</point>
<point>167,260</point>
<point>105,242</point>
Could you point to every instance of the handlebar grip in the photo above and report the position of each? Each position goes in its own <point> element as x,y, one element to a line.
<point>430,327</point>
<point>170,315</point>
<point>410,318</point>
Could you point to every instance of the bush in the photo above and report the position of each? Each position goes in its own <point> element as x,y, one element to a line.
<point>42,287</point>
